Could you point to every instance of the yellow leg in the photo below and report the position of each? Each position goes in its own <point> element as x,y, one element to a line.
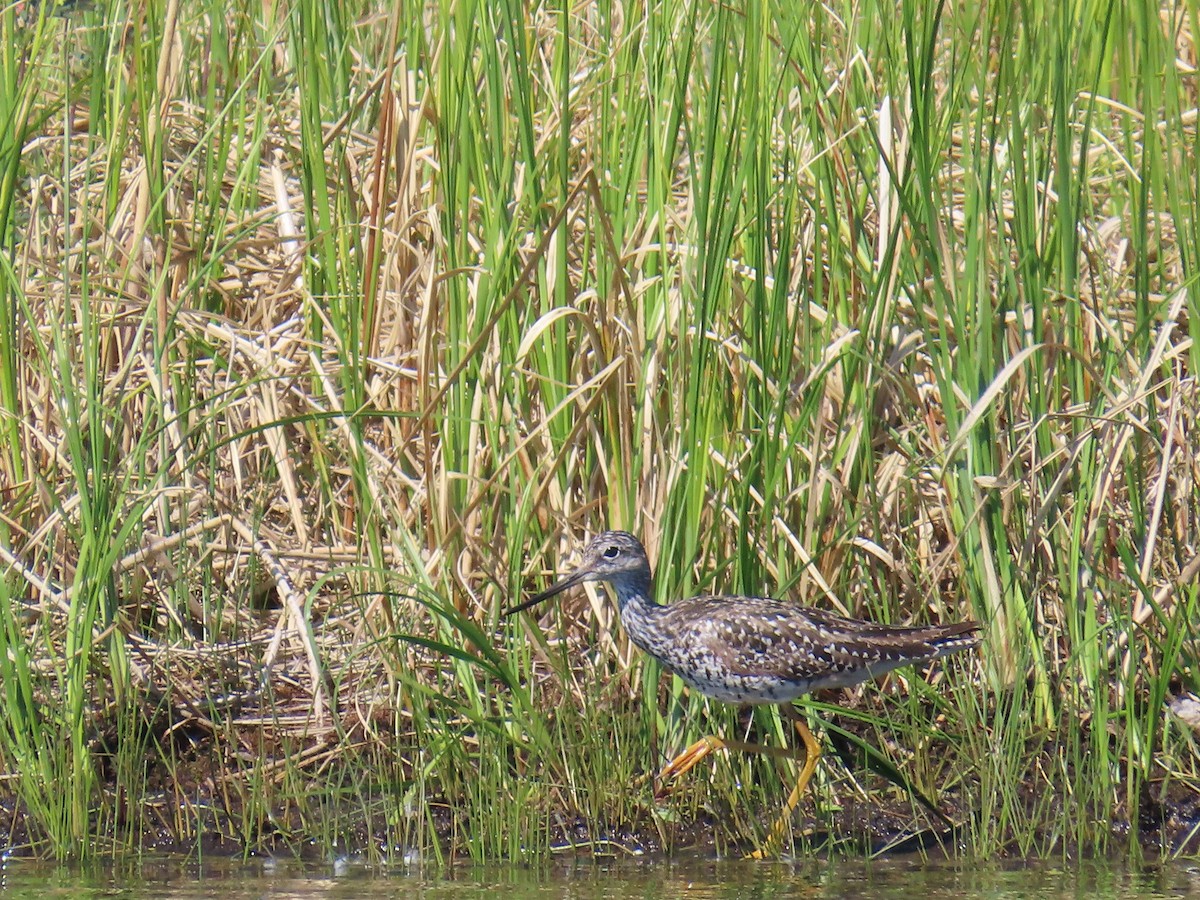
<point>687,760</point>
<point>812,753</point>
<point>811,750</point>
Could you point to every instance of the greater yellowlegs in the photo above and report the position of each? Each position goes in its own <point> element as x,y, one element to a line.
<point>752,650</point>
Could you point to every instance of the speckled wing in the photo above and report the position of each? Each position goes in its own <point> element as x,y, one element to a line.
<point>753,639</point>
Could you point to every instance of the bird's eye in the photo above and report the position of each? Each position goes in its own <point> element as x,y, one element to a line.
<point>612,552</point>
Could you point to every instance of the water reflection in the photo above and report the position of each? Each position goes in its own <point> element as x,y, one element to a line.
<point>592,880</point>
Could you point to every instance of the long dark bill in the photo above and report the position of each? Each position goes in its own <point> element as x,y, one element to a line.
<point>569,581</point>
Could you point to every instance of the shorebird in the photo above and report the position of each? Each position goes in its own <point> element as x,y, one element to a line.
<point>751,650</point>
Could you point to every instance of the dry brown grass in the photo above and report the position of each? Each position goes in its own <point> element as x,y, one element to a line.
<point>324,373</point>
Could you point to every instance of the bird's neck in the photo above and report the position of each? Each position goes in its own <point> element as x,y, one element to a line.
<point>637,607</point>
<point>634,593</point>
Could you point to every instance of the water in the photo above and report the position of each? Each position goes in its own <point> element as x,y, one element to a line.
<point>586,880</point>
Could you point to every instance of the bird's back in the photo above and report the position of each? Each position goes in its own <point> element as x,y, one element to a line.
<point>761,650</point>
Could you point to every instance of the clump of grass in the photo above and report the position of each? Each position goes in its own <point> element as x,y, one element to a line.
<point>325,331</point>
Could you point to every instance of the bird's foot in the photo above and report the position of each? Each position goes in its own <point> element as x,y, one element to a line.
<point>685,762</point>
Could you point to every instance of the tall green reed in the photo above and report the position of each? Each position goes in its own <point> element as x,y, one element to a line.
<point>524,279</point>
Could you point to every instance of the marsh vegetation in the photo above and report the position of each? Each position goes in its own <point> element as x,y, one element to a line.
<point>328,330</point>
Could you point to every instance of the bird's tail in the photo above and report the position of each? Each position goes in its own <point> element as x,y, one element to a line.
<point>948,639</point>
